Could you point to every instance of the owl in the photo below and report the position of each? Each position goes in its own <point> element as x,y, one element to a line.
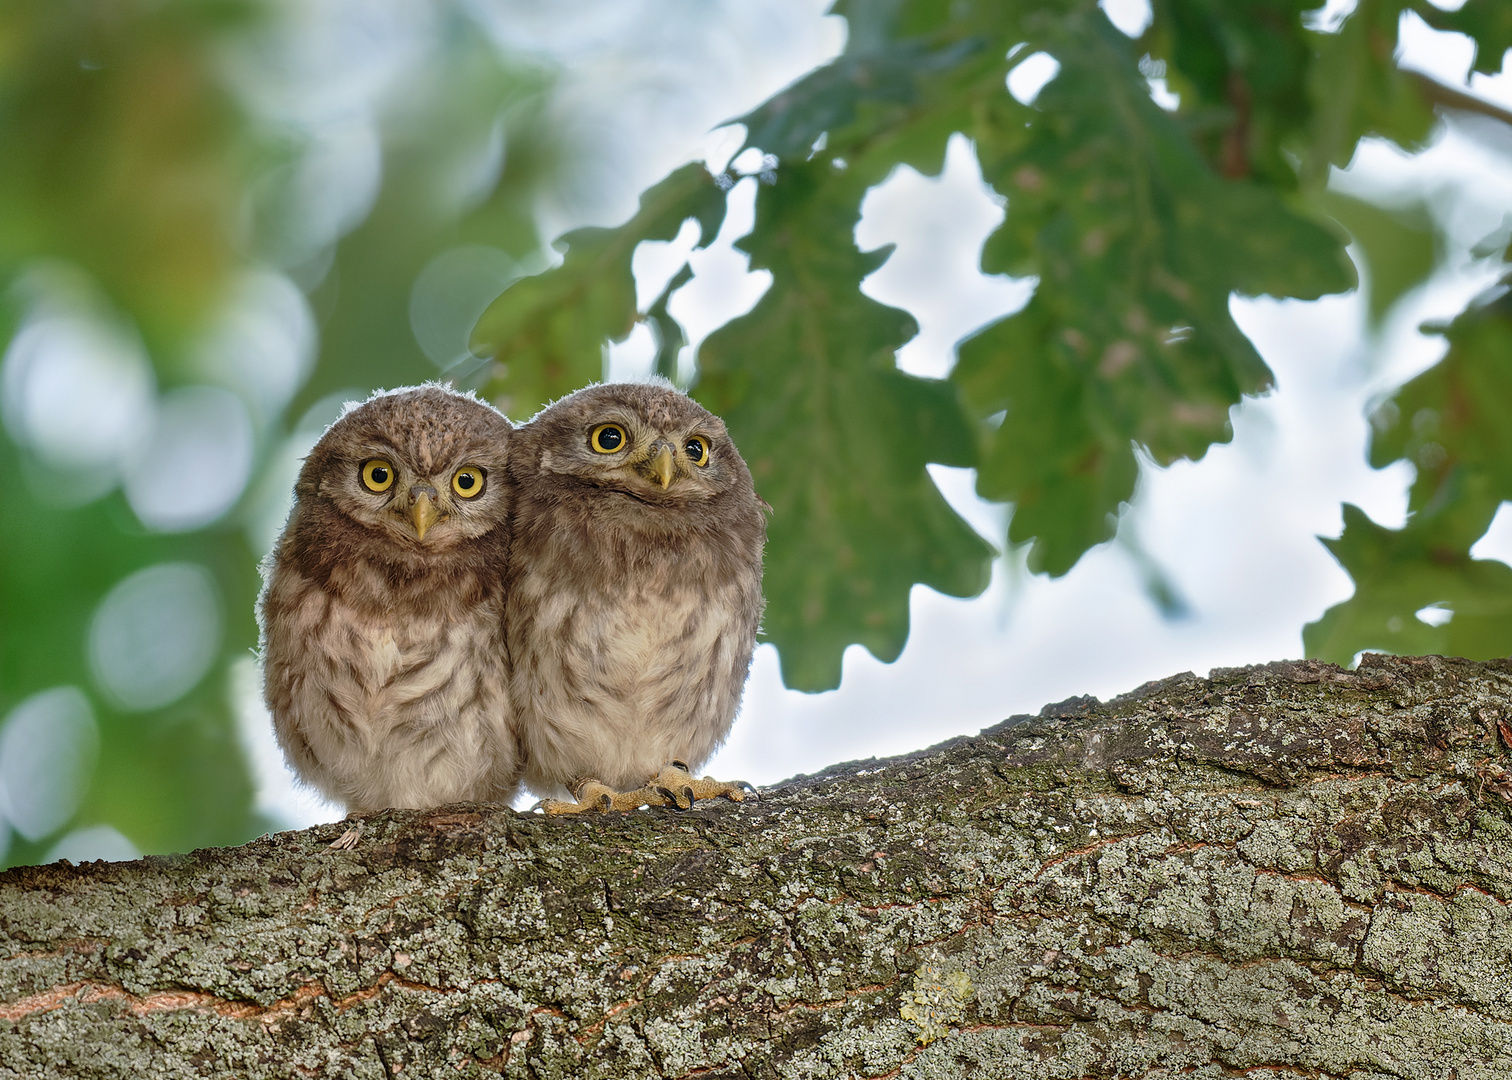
<point>633,593</point>
<point>381,613</point>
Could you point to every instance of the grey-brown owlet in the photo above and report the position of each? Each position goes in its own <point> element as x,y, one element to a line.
<point>382,605</point>
<point>633,590</point>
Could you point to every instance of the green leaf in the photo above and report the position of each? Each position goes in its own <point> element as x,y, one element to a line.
<point>1453,417</point>
<point>1487,22</point>
<point>1398,573</point>
<point>1399,246</point>
<point>859,95</point>
<point>1358,90</point>
<point>668,332</point>
<point>548,331</point>
<point>1128,339</point>
<point>1242,71</point>
<point>1450,422</point>
<point>837,438</point>
<point>1065,471</point>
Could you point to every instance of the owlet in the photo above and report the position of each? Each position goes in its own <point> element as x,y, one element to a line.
<point>633,594</point>
<point>382,604</point>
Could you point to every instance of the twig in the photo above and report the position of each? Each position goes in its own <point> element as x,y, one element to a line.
<point>1449,98</point>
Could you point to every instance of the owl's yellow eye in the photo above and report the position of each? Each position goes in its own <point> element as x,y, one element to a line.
<point>697,449</point>
<point>607,438</point>
<point>468,481</point>
<point>377,475</point>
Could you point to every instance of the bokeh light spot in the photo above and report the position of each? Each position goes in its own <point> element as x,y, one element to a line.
<point>48,747</point>
<point>263,343</point>
<point>155,635</point>
<point>197,462</point>
<point>94,842</point>
<point>77,393</point>
<point>449,295</point>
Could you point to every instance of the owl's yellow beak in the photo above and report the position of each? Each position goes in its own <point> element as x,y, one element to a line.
<point>424,514</point>
<point>663,467</point>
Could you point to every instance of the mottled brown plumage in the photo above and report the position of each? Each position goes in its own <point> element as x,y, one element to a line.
<point>634,585</point>
<point>381,612</point>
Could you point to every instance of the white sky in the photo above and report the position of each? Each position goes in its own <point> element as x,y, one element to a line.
<point>1235,533</point>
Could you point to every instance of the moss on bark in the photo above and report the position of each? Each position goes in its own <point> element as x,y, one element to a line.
<point>1291,871</point>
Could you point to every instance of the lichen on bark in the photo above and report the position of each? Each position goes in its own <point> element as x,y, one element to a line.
<point>1291,871</point>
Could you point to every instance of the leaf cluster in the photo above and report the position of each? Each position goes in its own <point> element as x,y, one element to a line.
<point>1137,223</point>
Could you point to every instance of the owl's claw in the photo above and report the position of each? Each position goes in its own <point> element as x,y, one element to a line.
<point>674,786</point>
<point>347,840</point>
<point>682,798</point>
<point>681,789</point>
<point>594,797</point>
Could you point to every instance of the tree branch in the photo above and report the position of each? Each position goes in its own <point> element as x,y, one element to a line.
<point>1292,869</point>
<point>1447,97</point>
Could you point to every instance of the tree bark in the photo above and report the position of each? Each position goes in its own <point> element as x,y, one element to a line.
<point>1291,871</point>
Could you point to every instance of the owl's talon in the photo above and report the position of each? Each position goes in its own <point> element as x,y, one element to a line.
<point>679,799</point>
<point>674,778</point>
<point>594,797</point>
<point>673,787</point>
<point>552,807</point>
<point>347,840</point>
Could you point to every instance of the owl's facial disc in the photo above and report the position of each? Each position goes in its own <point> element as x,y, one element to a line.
<point>445,496</point>
<point>650,444</point>
<point>656,458</point>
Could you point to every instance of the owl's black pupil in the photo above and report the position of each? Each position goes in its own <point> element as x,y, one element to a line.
<point>695,449</point>
<point>609,438</point>
<point>466,481</point>
<point>380,474</point>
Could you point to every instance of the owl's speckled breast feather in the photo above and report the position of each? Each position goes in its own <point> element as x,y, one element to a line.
<point>380,710</point>
<point>617,682</point>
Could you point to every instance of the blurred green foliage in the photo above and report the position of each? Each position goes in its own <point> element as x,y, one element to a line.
<point>132,160</point>
<point>124,154</point>
<point>143,173</point>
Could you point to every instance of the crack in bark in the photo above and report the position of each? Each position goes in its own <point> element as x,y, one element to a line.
<point>88,992</point>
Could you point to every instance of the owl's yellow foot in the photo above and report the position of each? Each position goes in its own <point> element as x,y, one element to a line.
<point>672,786</point>
<point>594,797</point>
<point>682,789</point>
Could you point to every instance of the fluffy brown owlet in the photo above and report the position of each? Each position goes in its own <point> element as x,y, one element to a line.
<point>634,587</point>
<point>381,613</point>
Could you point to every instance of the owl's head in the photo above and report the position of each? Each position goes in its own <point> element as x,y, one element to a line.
<point>422,467</point>
<point>646,440</point>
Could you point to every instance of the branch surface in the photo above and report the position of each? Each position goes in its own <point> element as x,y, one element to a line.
<point>1288,872</point>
